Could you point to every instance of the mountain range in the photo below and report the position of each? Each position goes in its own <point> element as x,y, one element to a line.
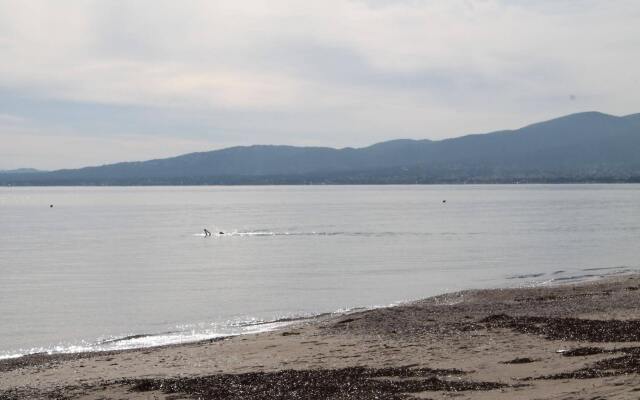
<point>583,147</point>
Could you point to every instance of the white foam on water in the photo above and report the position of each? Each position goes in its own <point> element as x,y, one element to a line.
<point>265,233</point>
<point>183,335</point>
<point>258,233</point>
<point>9,356</point>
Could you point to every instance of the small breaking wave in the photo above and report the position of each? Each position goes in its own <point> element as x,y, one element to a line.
<point>184,333</point>
<point>526,276</point>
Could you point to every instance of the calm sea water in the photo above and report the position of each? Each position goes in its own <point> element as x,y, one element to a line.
<point>107,263</point>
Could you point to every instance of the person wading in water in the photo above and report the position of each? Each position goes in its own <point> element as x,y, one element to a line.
<point>206,232</point>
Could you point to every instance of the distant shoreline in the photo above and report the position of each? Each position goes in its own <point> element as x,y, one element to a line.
<point>633,181</point>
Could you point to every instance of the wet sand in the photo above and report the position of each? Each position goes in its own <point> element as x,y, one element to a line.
<point>566,342</point>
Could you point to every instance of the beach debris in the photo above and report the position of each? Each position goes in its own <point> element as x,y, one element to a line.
<point>354,383</point>
<point>346,321</point>
<point>519,360</point>
<point>627,364</point>
<point>554,328</point>
<point>582,351</point>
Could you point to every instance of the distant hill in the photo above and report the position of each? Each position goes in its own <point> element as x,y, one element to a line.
<point>584,147</point>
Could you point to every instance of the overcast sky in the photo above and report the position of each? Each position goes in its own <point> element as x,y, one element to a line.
<point>91,82</point>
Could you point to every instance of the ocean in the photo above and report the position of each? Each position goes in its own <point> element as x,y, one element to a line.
<point>102,268</point>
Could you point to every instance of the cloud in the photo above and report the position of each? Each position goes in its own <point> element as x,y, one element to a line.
<point>336,72</point>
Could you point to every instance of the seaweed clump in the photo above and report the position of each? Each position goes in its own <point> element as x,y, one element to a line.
<point>355,383</point>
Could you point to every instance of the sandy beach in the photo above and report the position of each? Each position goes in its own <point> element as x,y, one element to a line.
<point>579,341</point>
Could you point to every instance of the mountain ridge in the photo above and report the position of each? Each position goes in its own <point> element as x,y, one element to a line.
<point>581,147</point>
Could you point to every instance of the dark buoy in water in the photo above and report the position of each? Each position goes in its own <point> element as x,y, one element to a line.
<point>50,205</point>
<point>221,233</point>
<point>444,201</point>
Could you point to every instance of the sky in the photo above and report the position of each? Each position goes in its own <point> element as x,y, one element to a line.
<point>89,82</point>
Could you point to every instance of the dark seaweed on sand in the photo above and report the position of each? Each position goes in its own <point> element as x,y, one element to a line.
<point>627,364</point>
<point>520,360</point>
<point>589,330</point>
<point>356,383</point>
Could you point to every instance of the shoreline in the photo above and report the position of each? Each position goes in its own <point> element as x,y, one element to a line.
<point>521,281</point>
<point>279,324</point>
<point>509,182</point>
<point>553,341</point>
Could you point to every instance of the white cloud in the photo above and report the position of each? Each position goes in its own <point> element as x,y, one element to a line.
<point>334,72</point>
